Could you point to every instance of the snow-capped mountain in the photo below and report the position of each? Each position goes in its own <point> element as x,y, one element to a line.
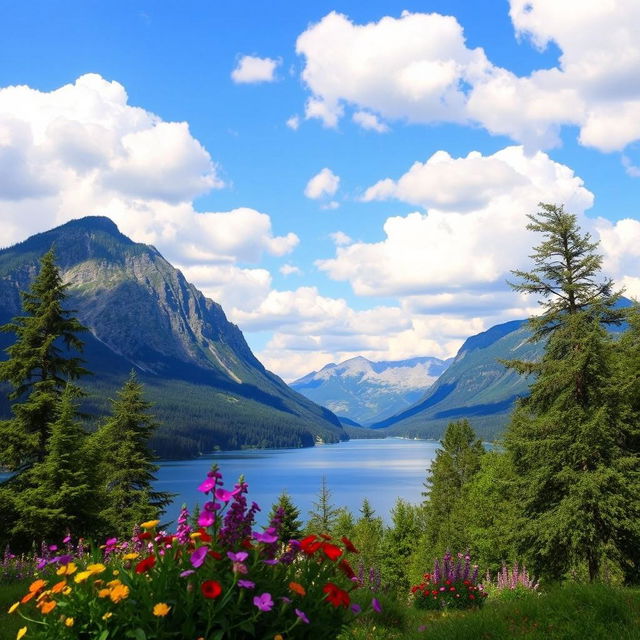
<point>366,391</point>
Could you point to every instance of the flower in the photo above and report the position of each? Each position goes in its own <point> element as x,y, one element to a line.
<point>349,545</point>
<point>356,608</point>
<point>48,606</point>
<point>335,595</point>
<point>96,568</point>
<point>21,632</point>
<point>331,551</point>
<point>375,604</point>
<point>144,565</point>
<point>241,556</point>
<point>161,609</point>
<point>186,573</point>
<point>67,569</point>
<point>119,592</point>
<point>310,544</point>
<point>107,615</point>
<point>35,586</point>
<point>263,602</point>
<point>130,556</point>
<point>150,524</point>
<point>82,576</point>
<point>225,496</point>
<point>268,536</point>
<point>198,556</point>
<point>298,588</point>
<point>302,616</point>
<point>14,606</point>
<point>211,589</point>
<point>68,622</point>
<point>246,584</point>
<point>58,587</point>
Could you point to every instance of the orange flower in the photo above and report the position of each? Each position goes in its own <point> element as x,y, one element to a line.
<point>104,593</point>
<point>28,597</point>
<point>34,587</point>
<point>119,592</point>
<point>298,588</point>
<point>59,586</point>
<point>161,609</point>
<point>48,606</point>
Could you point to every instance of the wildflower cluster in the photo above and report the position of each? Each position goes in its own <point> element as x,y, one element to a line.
<point>511,584</point>
<point>452,584</point>
<point>222,579</point>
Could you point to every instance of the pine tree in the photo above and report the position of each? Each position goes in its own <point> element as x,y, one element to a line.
<point>58,493</point>
<point>126,468</point>
<point>366,510</point>
<point>344,523</point>
<point>39,366</point>
<point>323,516</point>
<point>577,480</point>
<point>291,525</point>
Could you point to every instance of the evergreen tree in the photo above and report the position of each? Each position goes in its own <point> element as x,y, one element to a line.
<point>366,510</point>
<point>58,493</point>
<point>38,366</point>
<point>344,524</point>
<point>367,536</point>
<point>399,544</point>
<point>323,516</point>
<point>291,525</point>
<point>125,465</point>
<point>577,479</point>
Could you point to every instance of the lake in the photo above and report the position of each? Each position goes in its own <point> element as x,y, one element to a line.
<point>380,470</point>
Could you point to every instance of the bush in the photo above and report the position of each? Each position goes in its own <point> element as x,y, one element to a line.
<point>452,585</point>
<point>218,581</point>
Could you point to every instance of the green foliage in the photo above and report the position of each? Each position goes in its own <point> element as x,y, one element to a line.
<point>39,366</point>
<point>577,479</point>
<point>125,468</point>
<point>290,526</point>
<point>323,516</point>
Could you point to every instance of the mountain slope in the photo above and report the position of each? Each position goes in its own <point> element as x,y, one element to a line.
<point>208,388</point>
<point>365,391</point>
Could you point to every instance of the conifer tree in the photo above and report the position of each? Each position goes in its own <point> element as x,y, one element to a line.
<point>323,516</point>
<point>126,468</point>
<point>58,494</point>
<point>366,510</point>
<point>344,523</point>
<point>38,366</point>
<point>290,525</point>
<point>577,479</point>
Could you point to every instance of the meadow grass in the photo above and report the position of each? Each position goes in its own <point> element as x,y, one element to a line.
<point>10,593</point>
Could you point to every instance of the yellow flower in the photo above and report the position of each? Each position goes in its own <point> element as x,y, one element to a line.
<point>21,632</point>
<point>119,592</point>
<point>96,568</point>
<point>113,583</point>
<point>66,591</point>
<point>82,576</point>
<point>116,572</point>
<point>161,609</point>
<point>130,556</point>
<point>150,524</point>
<point>69,622</point>
<point>14,606</point>
<point>67,569</point>
<point>278,637</point>
<point>195,535</point>
<point>107,615</point>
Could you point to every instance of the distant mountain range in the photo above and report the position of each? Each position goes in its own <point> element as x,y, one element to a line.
<point>207,387</point>
<point>361,391</point>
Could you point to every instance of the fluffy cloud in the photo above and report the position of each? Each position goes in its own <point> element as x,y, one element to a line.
<point>290,269</point>
<point>418,68</point>
<point>340,238</point>
<point>251,69</point>
<point>468,240</point>
<point>293,122</point>
<point>83,150</point>
<point>370,121</point>
<point>324,183</point>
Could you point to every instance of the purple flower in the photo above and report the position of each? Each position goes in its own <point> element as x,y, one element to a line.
<point>198,556</point>
<point>375,603</point>
<point>241,556</point>
<point>225,496</point>
<point>286,600</point>
<point>268,536</point>
<point>302,616</point>
<point>207,485</point>
<point>206,518</point>
<point>67,538</point>
<point>246,584</point>
<point>356,608</point>
<point>263,602</point>
<point>186,573</point>
<point>271,561</point>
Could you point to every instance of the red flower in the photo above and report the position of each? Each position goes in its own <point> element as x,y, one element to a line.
<point>215,554</point>
<point>336,596</point>
<point>349,545</point>
<point>211,589</point>
<point>145,535</point>
<point>331,551</point>
<point>204,536</point>
<point>310,544</point>
<point>144,565</point>
<point>346,568</point>
<point>246,544</point>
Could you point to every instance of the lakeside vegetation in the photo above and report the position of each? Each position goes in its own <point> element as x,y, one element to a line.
<point>560,494</point>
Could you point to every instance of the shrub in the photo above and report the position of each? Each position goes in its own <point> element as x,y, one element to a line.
<point>220,580</point>
<point>451,585</point>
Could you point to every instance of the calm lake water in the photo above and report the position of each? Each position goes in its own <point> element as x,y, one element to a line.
<point>380,470</point>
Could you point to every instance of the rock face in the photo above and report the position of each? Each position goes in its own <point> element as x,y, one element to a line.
<point>366,392</point>
<point>208,387</point>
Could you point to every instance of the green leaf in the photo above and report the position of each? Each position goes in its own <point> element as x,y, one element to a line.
<point>104,635</point>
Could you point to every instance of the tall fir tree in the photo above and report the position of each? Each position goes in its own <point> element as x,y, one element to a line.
<point>39,366</point>
<point>323,516</point>
<point>125,464</point>
<point>576,478</point>
<point>58,494</point>
<point>291,525</point>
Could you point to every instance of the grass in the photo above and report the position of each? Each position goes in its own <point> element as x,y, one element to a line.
<point>10,593</point>
<point>567,612</point>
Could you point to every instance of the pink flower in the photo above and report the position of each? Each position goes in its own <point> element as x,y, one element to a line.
<point>268,536</point>
<point>207,485</point>
<point>241,556</point>
<point>263,602</point>
<point>225,496</point>
<point>246,584</point>
<point>186,573</point>
<point>198,556</point>
<point>302,616</point>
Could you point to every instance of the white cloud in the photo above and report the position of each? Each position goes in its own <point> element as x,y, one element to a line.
<point>251,69</point>
<point>418,68</point>
<point>290,269</point>
<point>324,183</point>
<point>370,121</point>
<point>340,238</point>
<point>631,169</point>
<point>293,122</point>
<point>330,206</point>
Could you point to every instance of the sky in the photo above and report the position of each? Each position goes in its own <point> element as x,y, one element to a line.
<point>345,178</point>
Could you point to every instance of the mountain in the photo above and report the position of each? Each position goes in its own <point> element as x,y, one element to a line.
<point>475,386</point>
<point>362,391</point>
<point>208,388</point>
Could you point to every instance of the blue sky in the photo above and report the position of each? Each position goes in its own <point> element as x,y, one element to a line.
<point>200,126</point>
